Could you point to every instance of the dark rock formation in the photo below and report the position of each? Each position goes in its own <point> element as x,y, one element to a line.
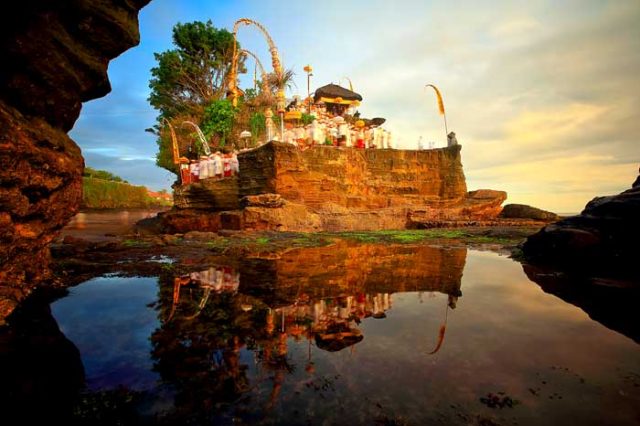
<point>54,57</point>
<point>603,239</point>
<point>42,372</point>
<point>522,211</point>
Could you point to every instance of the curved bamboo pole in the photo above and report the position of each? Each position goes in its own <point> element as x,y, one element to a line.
<point>174,142</point>
<point>233,91</point>
<point>263,73</point>
<point>203,140</point>
<point>349,80</point>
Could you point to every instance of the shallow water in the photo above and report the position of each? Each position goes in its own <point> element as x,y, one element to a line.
<point>98,225</point>
<point>346,335</point>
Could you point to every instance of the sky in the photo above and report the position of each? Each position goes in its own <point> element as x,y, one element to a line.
<point>544,96</point>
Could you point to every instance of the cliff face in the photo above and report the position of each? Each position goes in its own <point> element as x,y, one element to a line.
<point>325,188</point>
<point>54,57</point>
<point>325,177</point>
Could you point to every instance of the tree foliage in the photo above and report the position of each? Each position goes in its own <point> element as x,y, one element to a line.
<point>284,80</point>
<point>100,174</point>
<point>188,80</point>
<point>193,74</point>
<point>218,119</point>
<point>257,124</point>
<point>307,118</point>
<point>107,194</point>
<point>164,156</point>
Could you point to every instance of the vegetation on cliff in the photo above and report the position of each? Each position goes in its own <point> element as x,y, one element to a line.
<point>101,174</point>
<point>104,190</point>
<point>189,83</point>
<point>192,75</point>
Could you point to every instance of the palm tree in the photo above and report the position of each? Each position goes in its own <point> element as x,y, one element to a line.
<point>284,80</point>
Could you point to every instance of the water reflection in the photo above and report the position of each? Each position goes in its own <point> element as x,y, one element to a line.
<point>99,225</point>
<point>343,332</point>
<point>611,302</point>
<point>221,279</point>
<point>229,332</point>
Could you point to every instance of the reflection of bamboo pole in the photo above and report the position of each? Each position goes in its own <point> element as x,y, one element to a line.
<point>441,332</point>
<point>440,109</point>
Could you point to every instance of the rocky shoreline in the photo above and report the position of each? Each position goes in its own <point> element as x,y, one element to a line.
<point>602,240</point>
<point>78,259</point>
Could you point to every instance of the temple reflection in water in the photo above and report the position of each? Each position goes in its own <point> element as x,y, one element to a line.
<point>227,329</point>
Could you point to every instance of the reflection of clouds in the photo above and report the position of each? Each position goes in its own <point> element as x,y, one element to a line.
<point>527,299</point>
<point>518,331</point>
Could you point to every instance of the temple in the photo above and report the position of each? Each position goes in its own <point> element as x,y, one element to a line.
<point>327,169</point>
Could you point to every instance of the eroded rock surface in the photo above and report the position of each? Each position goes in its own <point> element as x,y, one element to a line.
<point>54,57</point>
<point>327,189</point>
<point>352,178</point>
<point>208,194</point>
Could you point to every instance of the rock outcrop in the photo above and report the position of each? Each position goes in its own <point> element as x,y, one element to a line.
<point>522,211</point>
<point>54,57</point>
<point>478,206</point>
<point>355,179</point>
<point>209,194</point>
<point>324,188</point>
<point>602,239</point>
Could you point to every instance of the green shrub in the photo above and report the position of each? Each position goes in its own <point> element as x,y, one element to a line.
<point>106,194</point>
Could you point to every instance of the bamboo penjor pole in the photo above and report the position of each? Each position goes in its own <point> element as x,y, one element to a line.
<point>440,109</point>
